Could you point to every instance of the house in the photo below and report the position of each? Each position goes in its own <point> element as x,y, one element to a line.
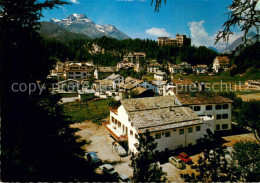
<point>129,83</point>
<point>103,72</point>
<point>205,103</point>
<point>116,79</point>
<point>69,85</point>
<point>220,62</point>
<point>185,65</point>
<point>78,70</point>
<point>102,85</point>
<point>174,69</point>
<point>134,60</point>
<point>160,75</point>
<point>153,68</point>
<point>200,69</point>
<point>182,81</point>
<point>171,125</point>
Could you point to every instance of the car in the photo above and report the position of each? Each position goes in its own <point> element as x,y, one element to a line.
<point>177,162</point>
<point>92,158</point>
<point>123,178</point>
<point>108,169</point>
<point>120,150</point>
<point>185,158</point>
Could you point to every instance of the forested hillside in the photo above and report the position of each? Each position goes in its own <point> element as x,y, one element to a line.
<point>108,51</point>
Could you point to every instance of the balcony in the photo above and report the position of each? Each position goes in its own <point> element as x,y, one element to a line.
<point>114,111</point>
<point>116,134</point>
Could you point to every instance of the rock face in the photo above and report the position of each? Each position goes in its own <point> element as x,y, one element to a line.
<point>80,23</point>
<point>239,41</point>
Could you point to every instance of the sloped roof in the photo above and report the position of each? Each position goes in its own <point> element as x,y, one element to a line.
<point>223,59</point>
<point>139,90</point>
<point>158,113</point>
<point>201,97</point>
<point>113,76</point>
<point>106,69</point>
<point>130,83</point>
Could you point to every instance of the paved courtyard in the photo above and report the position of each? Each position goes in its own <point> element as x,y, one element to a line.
<point>99,141</point>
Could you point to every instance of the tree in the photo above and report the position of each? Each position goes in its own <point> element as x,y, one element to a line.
<point>246,157</point>
<point>249,116</point>
<point>244,15</point>
<point>37,142</point>
<point>145,169</point>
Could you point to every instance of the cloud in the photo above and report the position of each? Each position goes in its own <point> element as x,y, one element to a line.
<point>74,1</point>
<point>200,37</point>
<point>159,32</point>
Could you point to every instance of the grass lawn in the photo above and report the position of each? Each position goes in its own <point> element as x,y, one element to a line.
<point>94,110</point>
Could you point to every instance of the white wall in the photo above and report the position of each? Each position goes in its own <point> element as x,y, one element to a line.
<point>214,113</point>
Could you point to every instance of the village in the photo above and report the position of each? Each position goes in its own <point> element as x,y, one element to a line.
<point>177,111</point>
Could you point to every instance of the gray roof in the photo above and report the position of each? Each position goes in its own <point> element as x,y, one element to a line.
<point>113,77</point>
<point>158,113</point>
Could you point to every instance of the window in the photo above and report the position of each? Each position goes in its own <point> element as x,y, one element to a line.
<point>113,119</point>
<point>174,130</point>
<point>84,74</point>
<point>119,124</point>
<point>218,116</point>
<point>167,134</point>
<point>225,126</point>
<point>77,72</point>
<point>196,108</point>
<point>218,107</point>
<point>197,128</point>
<point>181,131</point>
<point>131,132</point>
<point>71,72</point>
<point>217,127</point>
<point>225,106</point>
<point>209,107</point>
<point>157,135</point>
<point>190,130</point>
<point>136,136</point>
<point>224,116</point>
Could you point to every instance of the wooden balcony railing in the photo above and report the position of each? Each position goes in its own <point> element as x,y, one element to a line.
<point>118,138</point>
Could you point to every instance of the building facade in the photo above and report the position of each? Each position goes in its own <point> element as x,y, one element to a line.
<point>170,124</point>
<point>220,62</point>
<point>178,41</point>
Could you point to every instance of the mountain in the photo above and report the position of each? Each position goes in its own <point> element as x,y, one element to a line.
<point>80,23</point>
<point>238,42</point>
<point>219,47</point>
<point>51,30</point>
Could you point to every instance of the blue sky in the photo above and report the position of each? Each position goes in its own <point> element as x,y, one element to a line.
<point>201,19</point>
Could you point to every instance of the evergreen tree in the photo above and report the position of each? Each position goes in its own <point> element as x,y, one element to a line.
<point>143,162</point>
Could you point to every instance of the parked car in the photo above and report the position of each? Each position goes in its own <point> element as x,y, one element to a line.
<point>92,158</point>
<point>120,150</point>
<point>108,169</point>
<point>185,158</point>
<point>177,162</point>
<point>123,178</point>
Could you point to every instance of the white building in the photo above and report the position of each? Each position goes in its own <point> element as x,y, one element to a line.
<point>160,75</point>
<point>116,79</point>
<point>220,62</point>
<point>153,68</point>
<point>209,104</point>
<point>170,124</point>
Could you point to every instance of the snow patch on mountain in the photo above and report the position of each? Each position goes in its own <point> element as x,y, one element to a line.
<point>80,23</point>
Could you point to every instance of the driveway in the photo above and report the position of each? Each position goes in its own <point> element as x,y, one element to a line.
<point>99,141</point>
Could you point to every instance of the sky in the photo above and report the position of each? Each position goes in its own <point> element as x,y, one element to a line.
<point>199,19</point>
